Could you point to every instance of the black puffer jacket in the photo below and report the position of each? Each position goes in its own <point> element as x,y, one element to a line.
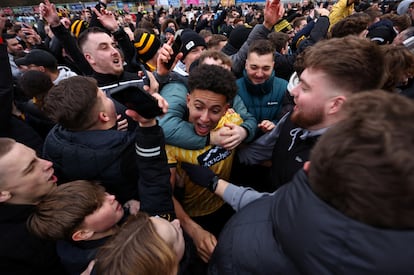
<point>107,156</point>
<point>294,232</point>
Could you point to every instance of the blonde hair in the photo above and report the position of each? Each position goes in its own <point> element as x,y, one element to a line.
<point>137,249</point>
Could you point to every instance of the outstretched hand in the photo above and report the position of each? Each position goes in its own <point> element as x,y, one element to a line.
<point>107,19</point>
<point>273,11</point>
<point>49,13</point>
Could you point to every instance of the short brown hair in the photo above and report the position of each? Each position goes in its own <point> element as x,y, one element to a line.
<point>84,36</point>
<point>136,249</point>
<point>351,25</point>
<point>73,103</point>
<point>353,63</point>
<point>62,212</point>
<point>279,40</point>
<point>399,62</point>
<point>364,166</point>
<point>215,40</point>
<point>261,47</point>
<point>6,145</point>
<point>216,55</point>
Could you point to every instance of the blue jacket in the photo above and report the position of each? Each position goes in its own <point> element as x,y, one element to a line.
<point>292,231</point>
<point>263,101</point>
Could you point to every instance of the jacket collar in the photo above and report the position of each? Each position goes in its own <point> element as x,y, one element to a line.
<point>259,89</point>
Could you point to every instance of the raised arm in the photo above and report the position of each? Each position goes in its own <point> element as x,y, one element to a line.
<point>273,12</point>
<point>48,12</point>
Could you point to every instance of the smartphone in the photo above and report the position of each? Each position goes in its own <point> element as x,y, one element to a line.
<point>145,79</point>
<point>137,99</point>
<point>176,46</point>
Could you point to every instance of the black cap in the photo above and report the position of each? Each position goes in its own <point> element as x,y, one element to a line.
<point>38,58</point>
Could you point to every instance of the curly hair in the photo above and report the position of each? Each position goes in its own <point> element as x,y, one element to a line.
<point>213,78</point>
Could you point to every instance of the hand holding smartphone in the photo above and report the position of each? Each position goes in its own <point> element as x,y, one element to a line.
<point>135,98</point>
<point>176,46</point>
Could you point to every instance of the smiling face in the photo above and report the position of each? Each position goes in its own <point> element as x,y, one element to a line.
<point>206,109</point>
<point>24,176</point>
<point>313,96</point>
<point>259,67</point>
<point>99,50</point>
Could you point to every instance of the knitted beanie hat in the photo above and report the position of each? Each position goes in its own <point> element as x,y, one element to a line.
<point>283,26</point>
<point>190,39</point>
<point>147,45</point>
<point>78,26</point>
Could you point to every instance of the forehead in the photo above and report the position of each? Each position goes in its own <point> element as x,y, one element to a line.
<point>314,77</point>
<point>211,61</point>
<point>257,59</point>
<point>17,159</point>
<point>95,39</point>
<point>207,97</point>
<point>12,41</point>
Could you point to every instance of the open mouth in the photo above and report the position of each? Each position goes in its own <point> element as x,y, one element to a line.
<point>203,129</point>
<point>52,178</point>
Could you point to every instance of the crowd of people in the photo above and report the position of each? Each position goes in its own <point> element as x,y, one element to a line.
<point>283,145</point>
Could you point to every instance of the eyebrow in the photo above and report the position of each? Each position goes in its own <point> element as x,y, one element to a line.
<point>30,166</point>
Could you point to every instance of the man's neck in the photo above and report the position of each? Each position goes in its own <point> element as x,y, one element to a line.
<point>107,233</point>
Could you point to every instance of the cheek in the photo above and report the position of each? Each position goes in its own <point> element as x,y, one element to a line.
<point>215,118</point>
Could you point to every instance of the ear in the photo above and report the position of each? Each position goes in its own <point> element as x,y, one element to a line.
<point>5,196</point>
<point>82,235</point>
<point>89,58</point>
<point>103,117</point>
<point>306,167</point>
<point>335,104</point>
<point>42,69</point>
<point>188,100</point>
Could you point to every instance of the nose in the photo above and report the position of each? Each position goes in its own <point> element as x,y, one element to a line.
<point>295,91</point>
<point>259,73</point>
<point>115,52</point>
<point>47,164</point>
<point>110,197</point>
<point>204,116</point>
<point>176,223</point>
